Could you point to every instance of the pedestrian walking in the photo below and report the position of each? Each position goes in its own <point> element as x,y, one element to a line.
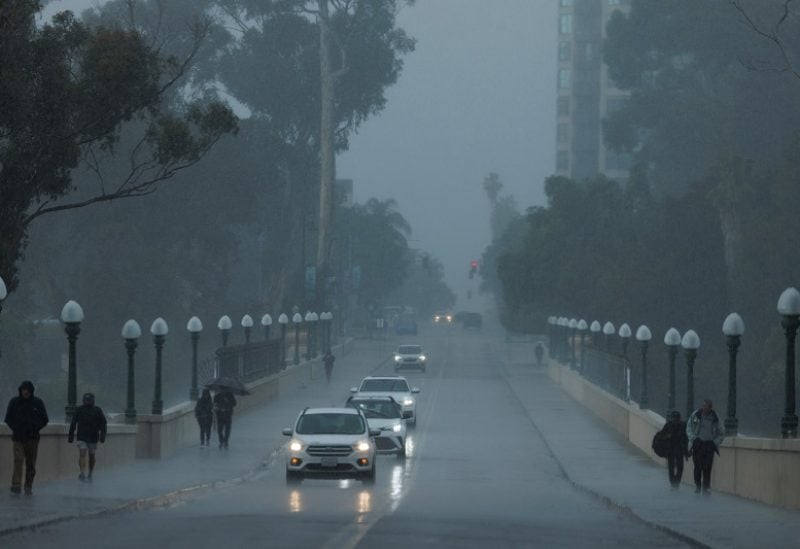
<point>224,402</point>
<point>90,422</point>
<point>705,437</point>
<point>204,413</point>
<point>539,352</point>
<point>25,416</point>
<point>676,446</point>
<point>328,360</point>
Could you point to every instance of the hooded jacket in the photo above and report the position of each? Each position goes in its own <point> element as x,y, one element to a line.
<point>90,422</point>
<point>693,427</point>
<point>26,416</point>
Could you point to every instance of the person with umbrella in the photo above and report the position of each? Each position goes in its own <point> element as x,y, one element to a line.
<point>204,412</point>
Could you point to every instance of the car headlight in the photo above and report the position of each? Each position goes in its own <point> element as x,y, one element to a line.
<point>397,358</point>
<point>397,427</point>
<point>422,358</point>
<point>408,402</point>
<point>363,446</point>
<point>295,446</point>
<point>449,319</point>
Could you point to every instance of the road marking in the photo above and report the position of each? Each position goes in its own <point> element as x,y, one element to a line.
<point>351,535</point>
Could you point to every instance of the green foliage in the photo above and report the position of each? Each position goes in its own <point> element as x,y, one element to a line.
<point>424,287</point>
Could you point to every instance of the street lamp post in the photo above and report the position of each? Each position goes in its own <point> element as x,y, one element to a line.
<point>582,327</point>
<point>195,326</point>
<point>573,327</point>
<point>551,334</point>
<point>324,327</point>
<point>608,331</point>
<point>672,339</point>
<point>283,320</point>
<point>297,320</point>
<point>733,328</point>
<point>266,322</point>
<point>72,316</point>
<point>315,344</point>
<point>789,309</point>
<point>131,333</point>
<point>625,336</point>
<point>643,336</point>
<point>3,294</point>
<point>563,324</point>
<point>309,334</point>
<point>690,343</point>
<point>225,326</point>
<point>159,330</point>
<point>247,324</point>
<point>595,330</point>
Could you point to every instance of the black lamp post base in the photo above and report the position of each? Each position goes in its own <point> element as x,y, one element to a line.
<point>194,393</point>
<point>643,403</point>
<point>158,407</point>
<point>731,426</point>
<point>69,412</point>
<point>130,416</point>
<point>789,426</point>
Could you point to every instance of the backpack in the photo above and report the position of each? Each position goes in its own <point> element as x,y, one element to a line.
<point>661,444</point>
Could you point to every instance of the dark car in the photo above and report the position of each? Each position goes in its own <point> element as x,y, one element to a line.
<point>405,325</point>
<point>472,320</point>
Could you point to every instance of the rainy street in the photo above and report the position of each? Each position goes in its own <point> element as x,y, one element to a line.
<point>478,473</point>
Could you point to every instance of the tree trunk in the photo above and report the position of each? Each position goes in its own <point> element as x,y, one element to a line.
<point>327,158</point>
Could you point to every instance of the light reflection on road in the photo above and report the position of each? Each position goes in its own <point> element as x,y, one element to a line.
<point>295,501</point>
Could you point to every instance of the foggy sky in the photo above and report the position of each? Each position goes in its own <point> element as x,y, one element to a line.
<point>477,96</point>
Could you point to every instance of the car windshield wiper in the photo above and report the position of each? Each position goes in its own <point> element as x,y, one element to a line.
<point>377,413</point>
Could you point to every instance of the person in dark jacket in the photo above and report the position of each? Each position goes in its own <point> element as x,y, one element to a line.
<point>328,360</point>
<point>204,412</point>
<point>224,402</point>
<point>91,425</point>
<point>674,432</point>
<point>25,416</point>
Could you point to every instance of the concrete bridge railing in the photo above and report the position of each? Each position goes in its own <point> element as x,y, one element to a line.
<point>762,469</point>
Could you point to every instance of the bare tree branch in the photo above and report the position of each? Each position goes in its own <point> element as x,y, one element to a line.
<point>773,37</point>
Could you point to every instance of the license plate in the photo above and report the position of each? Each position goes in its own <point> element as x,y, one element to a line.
<point>329,462</point>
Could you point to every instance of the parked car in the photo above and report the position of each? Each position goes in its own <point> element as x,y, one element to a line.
<point>393,386</point>
<point>410,356</point>
<point>383,413</point>
<point>331,442</point>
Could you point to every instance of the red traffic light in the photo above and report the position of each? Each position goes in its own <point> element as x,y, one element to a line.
<point>473,264</point>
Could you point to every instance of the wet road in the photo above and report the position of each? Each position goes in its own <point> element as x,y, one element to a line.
<point>478,474</point>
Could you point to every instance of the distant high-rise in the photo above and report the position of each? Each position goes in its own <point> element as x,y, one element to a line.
<point>585,92</point>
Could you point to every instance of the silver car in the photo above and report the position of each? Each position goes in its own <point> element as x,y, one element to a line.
<point>410,356</point>
<point>386,416</point>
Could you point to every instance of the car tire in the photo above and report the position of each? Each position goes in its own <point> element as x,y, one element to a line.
<point>293,477</point>
<point>369,476</point>
<point>402,453</point>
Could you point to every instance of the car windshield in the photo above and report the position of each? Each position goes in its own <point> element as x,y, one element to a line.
<point>384,385</point>
<point>381,409</point>
<point>330,424</point>
<point>409,350</point>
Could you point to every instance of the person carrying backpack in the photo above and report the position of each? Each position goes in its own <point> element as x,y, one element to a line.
<point>671,442</point>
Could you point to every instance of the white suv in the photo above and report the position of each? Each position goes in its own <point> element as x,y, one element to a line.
<point>386,415</point>
<point>331,442</point>
<point>409,356</point>
<point>393,386</point>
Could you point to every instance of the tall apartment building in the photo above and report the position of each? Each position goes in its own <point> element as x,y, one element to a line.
<point>585,92</point>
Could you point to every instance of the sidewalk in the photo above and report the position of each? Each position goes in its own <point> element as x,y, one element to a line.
<point>595,459</point>
<point>255,441</point>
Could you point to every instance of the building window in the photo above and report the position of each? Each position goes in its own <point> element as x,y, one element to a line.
<point>562,134</point>
<point>562,161</point>
<point>564,76</point>
<point>565,23</point>
<point>564,51</point>
<point>562,106</point>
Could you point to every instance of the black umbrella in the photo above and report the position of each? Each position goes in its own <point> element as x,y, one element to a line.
<point>226,383</point>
